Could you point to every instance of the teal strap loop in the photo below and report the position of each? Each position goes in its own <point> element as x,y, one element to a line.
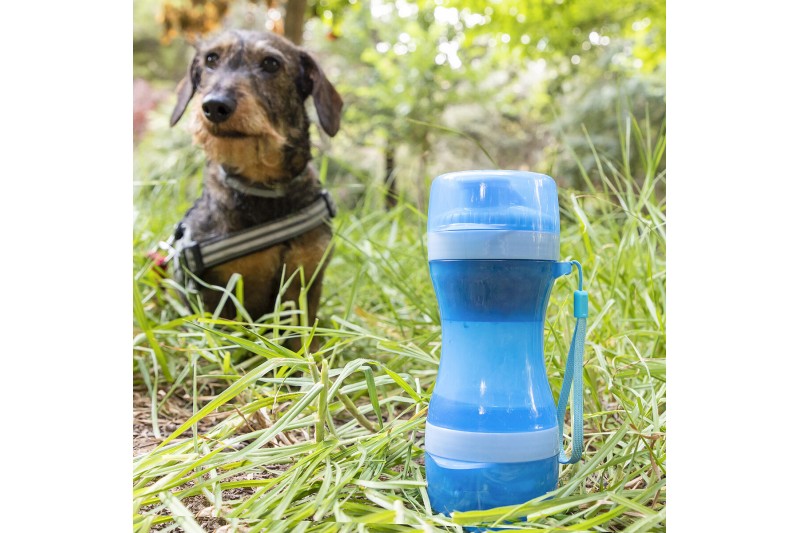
<point>573,376</point>
<point>577,265</point>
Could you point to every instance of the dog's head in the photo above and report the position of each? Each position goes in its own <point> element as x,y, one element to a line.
<point>249,109</point>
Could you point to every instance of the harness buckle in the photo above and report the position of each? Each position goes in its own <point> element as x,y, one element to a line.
<point>331,205</point>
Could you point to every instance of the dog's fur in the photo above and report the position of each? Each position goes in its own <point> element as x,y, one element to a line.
<point>265,140</point>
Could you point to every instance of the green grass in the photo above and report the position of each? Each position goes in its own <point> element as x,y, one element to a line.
<point>332,440</point>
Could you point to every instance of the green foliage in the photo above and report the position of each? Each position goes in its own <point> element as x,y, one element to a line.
<point>397,78</point>
<point>517,80</point>
<point>601,104</point>
<point>152,60</point>
<point>521,80</point>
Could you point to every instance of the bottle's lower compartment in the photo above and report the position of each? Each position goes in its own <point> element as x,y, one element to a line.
<point>465,486</point>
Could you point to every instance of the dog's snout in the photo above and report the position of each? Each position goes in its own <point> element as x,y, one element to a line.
<point>218,108</point>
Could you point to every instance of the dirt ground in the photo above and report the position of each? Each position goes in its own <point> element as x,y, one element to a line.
<point>176,410</point>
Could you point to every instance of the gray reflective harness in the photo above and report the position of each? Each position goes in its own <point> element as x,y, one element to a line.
<point>197,256</point>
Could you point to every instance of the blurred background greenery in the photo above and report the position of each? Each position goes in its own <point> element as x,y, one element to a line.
<point>442,85</point>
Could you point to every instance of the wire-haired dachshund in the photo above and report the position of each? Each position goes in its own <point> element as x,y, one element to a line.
<point>248,115</point>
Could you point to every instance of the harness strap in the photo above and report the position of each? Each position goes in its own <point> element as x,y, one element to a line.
<point>272,191</point>
<point>199,256</point>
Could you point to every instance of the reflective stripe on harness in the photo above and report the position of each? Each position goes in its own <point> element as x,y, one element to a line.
<point>199,256</point>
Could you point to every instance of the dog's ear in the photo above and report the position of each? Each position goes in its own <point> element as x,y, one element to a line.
<point>327,101</point>
<point>186,89</point>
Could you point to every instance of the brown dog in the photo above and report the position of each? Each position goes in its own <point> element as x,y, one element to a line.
<point>249,118</point>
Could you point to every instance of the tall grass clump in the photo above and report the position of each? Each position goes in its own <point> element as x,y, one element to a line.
<point>243,434</point>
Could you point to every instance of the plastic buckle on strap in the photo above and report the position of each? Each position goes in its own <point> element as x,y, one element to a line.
<point>580,304</point>
<point>331,205</point>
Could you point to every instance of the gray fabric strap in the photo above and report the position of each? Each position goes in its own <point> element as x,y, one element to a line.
<point>278,190</point>
<point>198,256</point>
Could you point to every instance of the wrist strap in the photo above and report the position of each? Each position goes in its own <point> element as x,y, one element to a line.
<point>573,376</point>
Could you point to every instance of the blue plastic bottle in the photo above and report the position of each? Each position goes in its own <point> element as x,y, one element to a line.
<point>492,437</point>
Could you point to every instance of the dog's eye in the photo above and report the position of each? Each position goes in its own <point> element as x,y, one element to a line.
<point>270,64</point>
<point>212,59</point>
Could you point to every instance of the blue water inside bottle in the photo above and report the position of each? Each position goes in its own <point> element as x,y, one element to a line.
<point>492,379</point>
<point>492,436</point>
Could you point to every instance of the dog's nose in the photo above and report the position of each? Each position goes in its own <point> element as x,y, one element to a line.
<point>218,108</point>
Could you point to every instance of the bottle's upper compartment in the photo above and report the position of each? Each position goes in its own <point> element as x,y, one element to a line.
<point>493,214</point>
<point>494,200</point>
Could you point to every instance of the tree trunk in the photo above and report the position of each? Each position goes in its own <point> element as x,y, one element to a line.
<point>422,175</point>
<point>390,179</point>
<point>295,17</point>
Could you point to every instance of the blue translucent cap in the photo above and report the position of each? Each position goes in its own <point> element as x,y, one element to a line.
<point>493,214</point>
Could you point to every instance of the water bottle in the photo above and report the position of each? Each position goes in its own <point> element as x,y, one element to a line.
<point>493,434</point>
